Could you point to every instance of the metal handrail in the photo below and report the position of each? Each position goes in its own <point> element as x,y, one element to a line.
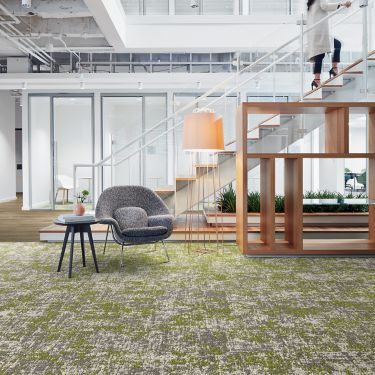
<point>210,92</point>
<point>226,93</point>
<point>222,83</point>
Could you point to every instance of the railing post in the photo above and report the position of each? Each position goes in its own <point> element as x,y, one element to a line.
<point>112,161</point>
<point>364,5</point>
<point>74,180</point>
<point>301,57</point>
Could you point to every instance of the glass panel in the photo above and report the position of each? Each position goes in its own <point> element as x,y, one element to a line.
<point>187,7</point>
<point>122,121</point>
<point>201,57</point>
<point>122,68</point>
<point>218,7</point>
<point>180,68</point>
<point>101,57</point>
<point>155,7</point>
<point>132,7</point>
<point>73,144</point>
<point>161,68</point>
<point>161,57</point>
<point>265,7</point>
<point>140,68</point>
<point>121,57</point>
<point>141,57</point>
<point>155,154</point>
<point>200,68</point>
<point>40,153</point>
<point>181,57</point>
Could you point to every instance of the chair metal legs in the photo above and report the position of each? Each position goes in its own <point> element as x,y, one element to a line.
<point>122,262</point>
<point>106,240</point>
<point>122,256</point>
<point>165,251</point>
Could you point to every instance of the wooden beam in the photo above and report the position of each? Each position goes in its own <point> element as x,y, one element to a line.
<point>267,201</point>
<point>337,130</point>
<point>371,174</point>
<point>241,177</point>
<point>293,191</point>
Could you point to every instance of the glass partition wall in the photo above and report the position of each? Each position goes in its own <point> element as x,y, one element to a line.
<point>124,120</point>
<point>61,134</point>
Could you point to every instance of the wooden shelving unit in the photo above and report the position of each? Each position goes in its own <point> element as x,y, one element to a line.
<point>336,146</point>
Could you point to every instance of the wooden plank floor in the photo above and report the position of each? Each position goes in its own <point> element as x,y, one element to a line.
<point>23,226</point>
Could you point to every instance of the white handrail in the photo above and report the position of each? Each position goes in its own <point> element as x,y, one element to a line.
<point>224,82</point>
<point>210,92</point>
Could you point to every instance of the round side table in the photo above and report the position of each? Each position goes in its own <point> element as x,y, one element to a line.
<point>72,228</point>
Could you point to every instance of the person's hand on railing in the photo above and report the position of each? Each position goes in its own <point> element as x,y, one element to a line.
<point>346,4</point>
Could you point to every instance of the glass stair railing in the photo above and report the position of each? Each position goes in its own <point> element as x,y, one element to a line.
<point>159,148</point>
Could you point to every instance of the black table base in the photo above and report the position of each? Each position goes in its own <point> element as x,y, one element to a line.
<point>72,229</point>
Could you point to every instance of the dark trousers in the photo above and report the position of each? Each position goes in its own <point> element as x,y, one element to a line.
<point>318,60</point>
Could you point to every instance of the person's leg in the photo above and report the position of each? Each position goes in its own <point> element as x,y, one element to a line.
<point>336,55</point>
<point>318,62</point>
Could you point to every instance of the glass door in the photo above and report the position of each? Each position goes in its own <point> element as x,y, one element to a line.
<point>72,144</point>
<point>40,153</point>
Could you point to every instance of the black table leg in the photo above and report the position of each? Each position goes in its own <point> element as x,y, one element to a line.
<point>63,248</point>
<point>72,230</point>
<point>81,234</point>
<point>92,248</point>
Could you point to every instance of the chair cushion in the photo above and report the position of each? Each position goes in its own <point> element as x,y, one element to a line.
<point>145,232</point>
<point>131,217</point>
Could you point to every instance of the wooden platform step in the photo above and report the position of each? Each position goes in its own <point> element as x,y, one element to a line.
<point>55,233</point>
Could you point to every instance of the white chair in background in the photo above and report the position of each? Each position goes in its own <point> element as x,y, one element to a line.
<point>354,184</point>
<point>63,183</point>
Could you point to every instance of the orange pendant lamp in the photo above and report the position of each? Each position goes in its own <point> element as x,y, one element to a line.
<point>203,132</point>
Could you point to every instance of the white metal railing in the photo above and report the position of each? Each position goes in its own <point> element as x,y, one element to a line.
<point>110,159</point>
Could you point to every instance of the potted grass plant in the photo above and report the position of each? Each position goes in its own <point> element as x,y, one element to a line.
<point>314,214</point>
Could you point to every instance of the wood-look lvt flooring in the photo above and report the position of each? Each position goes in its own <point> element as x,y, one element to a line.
<point>23,226</point>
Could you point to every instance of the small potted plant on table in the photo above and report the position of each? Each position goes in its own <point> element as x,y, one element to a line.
<point>79,208</point>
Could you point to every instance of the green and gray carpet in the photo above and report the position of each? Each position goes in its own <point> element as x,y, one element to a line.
<point>209,314</point>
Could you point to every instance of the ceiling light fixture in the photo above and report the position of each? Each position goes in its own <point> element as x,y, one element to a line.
<point>140,85</point>
<point>24,85</point>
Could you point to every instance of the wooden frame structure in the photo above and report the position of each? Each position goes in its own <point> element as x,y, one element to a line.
<point>336,146</point>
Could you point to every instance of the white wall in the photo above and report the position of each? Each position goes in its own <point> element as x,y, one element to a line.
<point>7,147</point>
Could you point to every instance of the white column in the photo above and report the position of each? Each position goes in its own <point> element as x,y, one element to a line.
<point>7,147</point>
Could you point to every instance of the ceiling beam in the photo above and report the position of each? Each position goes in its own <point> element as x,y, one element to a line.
<point>110,17</point>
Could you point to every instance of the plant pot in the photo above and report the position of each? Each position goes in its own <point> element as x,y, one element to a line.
<point>79,209</point>
<point>355,219</point>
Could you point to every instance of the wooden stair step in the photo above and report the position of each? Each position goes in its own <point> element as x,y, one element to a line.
<point>187,178</point>
<point>205,166</point>
<point>316,94</point>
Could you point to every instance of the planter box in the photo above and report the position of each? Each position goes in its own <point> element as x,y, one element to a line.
<point>356,219</point>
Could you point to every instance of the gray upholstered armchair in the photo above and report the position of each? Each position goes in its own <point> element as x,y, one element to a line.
<point>136,215</point>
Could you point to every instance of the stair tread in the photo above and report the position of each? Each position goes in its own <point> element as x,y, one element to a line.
<point>345,71</point>
<point>205,165</point>
<point>186,178</point>
<point>165,189</point>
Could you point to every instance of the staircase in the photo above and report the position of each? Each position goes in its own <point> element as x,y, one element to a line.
<point>274,134</point>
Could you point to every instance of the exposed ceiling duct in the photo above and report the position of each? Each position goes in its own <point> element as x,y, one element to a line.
<point>66,24</point>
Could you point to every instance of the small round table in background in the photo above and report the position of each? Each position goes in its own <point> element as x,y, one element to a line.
<point>73,228</point>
